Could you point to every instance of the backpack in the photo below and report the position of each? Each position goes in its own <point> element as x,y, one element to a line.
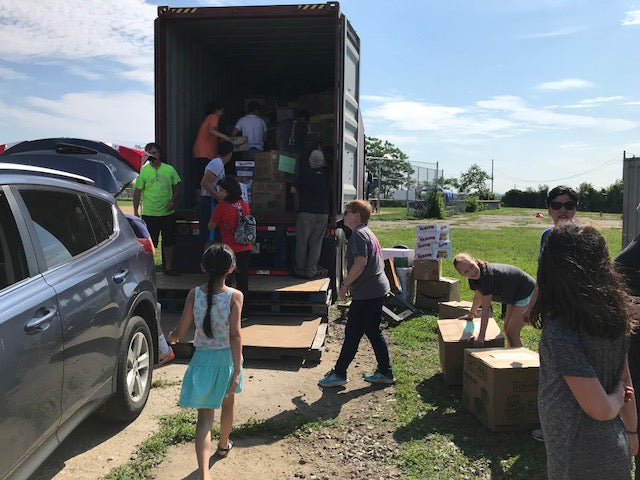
<point>245,234</point>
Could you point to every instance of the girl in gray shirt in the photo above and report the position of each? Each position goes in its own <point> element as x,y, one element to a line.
<point>585,397</point>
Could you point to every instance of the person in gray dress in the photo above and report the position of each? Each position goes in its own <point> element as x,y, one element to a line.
<point>585,397</point>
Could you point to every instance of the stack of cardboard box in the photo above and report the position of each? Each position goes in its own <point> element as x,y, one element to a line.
<point>272,172</point>
<point>432,245</point>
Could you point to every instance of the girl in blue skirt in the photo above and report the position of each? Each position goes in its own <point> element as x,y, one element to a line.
<point>214,374</point>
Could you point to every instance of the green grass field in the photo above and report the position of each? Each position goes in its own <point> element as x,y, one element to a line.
<point>439,439</point>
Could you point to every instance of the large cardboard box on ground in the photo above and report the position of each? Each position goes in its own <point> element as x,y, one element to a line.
<point>427,269</point>
<point>453,339</point>
<point>500,387</point>
<point>430,292</point>
<point>268,196</point>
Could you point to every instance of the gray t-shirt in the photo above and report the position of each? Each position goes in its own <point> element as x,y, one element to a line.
<point>506,283</point>
<point>579,447</point>
<point>372,283</point>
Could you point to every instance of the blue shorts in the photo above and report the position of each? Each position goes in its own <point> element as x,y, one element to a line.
<point>524,302</point>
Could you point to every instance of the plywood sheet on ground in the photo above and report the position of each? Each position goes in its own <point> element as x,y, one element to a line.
<point>264,332</point>
<point>280,332</point>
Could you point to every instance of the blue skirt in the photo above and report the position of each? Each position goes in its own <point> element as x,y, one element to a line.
<point>207,379</point>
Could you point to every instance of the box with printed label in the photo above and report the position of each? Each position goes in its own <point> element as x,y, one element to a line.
<point>432,233</point>
<point>433,245</point>
<point>245,168</point>
<point>454,336</point>
<point>430,292</point>
<point>500,387</point>
<point>427,269</point>
<point>433,253</point>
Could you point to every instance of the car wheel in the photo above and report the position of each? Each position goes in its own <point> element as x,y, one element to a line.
<point>135,372</point>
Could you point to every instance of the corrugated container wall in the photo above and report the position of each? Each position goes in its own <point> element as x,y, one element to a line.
<point>631,198</point>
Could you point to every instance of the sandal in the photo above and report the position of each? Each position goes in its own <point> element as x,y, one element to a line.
<point>223,452</point>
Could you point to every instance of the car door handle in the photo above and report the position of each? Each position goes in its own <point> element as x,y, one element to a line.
<point>40,324</point>
<point>120,276</point>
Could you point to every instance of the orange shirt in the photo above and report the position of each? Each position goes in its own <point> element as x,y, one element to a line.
<point>206,144</point>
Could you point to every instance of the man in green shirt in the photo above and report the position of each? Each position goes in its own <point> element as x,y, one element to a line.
<point>158,185</point>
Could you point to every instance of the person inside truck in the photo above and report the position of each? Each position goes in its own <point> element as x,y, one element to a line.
<point>205,147</point>
<point>292,134</point>
<point>209,195</point>
<point>312,188</point>
<point>252,127</point>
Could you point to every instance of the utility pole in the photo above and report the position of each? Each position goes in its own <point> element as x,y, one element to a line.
<point>492,176</point>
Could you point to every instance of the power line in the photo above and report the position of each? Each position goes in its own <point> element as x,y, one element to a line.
<point>614,159</point>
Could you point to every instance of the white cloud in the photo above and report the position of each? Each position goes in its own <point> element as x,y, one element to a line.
<point>84,73</point>
<point>77,29</point>
<point>94,115</point>
<point>566,84</point>
<point>632,103</point>
<point>574,146</point>
<point>7,73</point>
<point>632,18</point>
<point>561,32</point>
<point>599,100</point>
<point>517,111</point>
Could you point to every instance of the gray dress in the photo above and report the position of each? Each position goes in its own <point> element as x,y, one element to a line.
<point>579,447</point>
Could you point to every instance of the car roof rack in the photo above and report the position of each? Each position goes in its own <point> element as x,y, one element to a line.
<point>43,171</point>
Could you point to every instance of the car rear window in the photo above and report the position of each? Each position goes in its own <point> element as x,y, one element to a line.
<point>104,224</point>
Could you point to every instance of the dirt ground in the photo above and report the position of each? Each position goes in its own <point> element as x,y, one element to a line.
<point>359,446</point>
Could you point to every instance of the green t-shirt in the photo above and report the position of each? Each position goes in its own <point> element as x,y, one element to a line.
<point>157,188</point>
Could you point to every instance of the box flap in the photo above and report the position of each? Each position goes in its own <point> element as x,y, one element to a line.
<point>508,357</point>
<point>461,330</point>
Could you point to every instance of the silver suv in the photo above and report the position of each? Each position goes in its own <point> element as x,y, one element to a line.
<point>78,312</point>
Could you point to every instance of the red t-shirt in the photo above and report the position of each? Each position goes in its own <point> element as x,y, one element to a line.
<point>226,214</point>
<point>206,144</point>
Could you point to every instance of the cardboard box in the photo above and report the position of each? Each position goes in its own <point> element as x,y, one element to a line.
<point>433,253</point>
<point>245,168</point>
<point>267,166</point>
<point>438,230</point>
<point>430,292</point>
<point>402,257</point>
<point>267,196</point>
<point>427,269</point>
<point>455,309</point>
<point>240,144</point>
<point>453,339</point>
<point>500,387</point>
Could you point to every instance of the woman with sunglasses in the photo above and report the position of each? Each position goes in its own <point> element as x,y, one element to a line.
<point>585,398</point>
<point>368,286</point>
<point>561,205</point>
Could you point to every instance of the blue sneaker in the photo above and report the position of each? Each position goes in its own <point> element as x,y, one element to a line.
<point>332,380</point>
<point>377,377</point>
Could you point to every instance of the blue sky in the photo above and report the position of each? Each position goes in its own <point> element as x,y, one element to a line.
<point>548,89</point>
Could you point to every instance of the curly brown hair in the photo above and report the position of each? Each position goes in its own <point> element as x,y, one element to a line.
<point>578,285</point>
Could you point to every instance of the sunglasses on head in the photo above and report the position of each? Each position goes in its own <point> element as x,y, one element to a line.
<point>570,205</point>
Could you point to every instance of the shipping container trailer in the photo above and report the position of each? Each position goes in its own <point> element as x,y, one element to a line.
<point>282,55</point>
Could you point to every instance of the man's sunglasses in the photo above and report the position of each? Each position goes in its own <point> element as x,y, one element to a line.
<point>570,205</point>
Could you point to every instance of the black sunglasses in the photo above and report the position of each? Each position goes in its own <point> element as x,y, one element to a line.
<point>570,205</point>
<point>348,211</point>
